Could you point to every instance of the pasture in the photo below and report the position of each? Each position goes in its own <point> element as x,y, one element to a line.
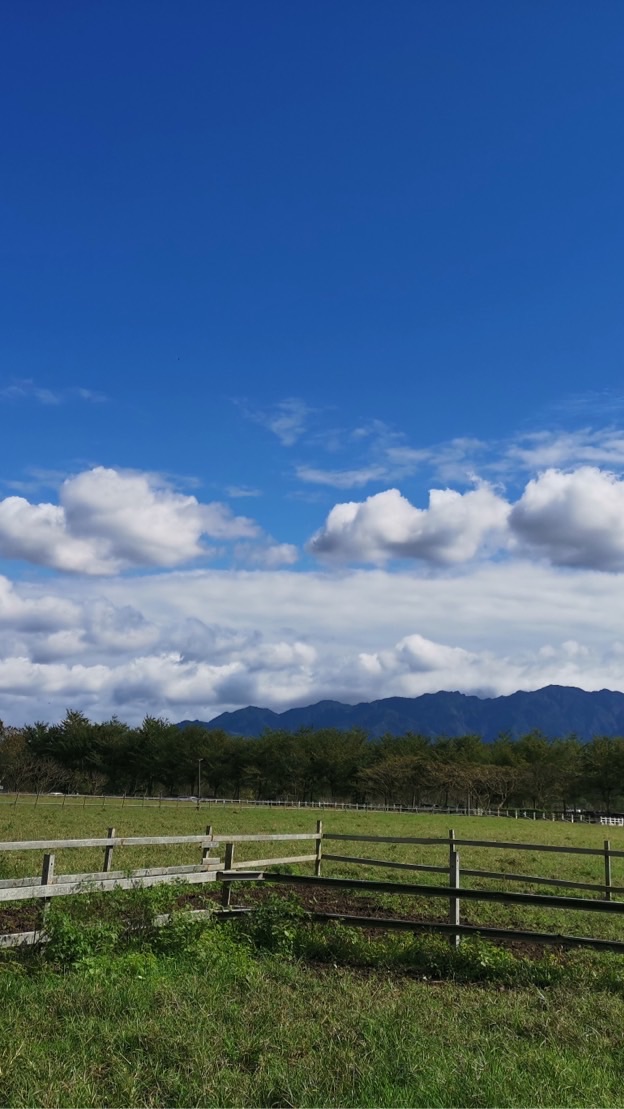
<point>326,1018</point>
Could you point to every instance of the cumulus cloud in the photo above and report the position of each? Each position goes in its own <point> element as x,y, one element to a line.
<point>108,520</point>
<point>574,519</point>
<point>386,525</point>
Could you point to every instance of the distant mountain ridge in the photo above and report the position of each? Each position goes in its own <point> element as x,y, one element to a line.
<point>556,710</point>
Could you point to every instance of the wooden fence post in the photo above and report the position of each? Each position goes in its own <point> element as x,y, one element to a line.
<point>319,849</point>
<point>206,850</point>
<point>47,877</point>
<point>226,892</point>
<point>607,867</point>
<point>108,851</point>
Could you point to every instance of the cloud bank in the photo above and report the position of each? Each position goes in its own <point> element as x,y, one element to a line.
<point>195,642</point>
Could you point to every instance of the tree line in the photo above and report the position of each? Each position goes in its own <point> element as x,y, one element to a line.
<point>323,764</point>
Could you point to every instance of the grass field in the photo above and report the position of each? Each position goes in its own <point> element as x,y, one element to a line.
<point>215,1020</point>
<point>51,820</point>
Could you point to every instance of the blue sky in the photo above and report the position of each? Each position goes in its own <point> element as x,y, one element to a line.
<point>310,352</point>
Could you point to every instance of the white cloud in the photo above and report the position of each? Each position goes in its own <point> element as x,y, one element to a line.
<point>416,665</point>
<point>24,389</point>
<point>287,419</point>
<point>38,613</point>
<point>269,555</point>
<point>546,449</point>
<point>38,533</point>
<point>192,643</point>
<point>571,518</point>
<point>108,520</point>
<point>574,519</point>
<point>341,479</point>
<point>236,491</point>
<point>386,525</point>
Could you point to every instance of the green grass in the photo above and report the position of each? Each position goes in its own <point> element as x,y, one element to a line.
<point>220,1025</point>
<point>278,1012</point>
<point>55,821</point>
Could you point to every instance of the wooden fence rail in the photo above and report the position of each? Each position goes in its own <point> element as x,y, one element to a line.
<point>231,870</point>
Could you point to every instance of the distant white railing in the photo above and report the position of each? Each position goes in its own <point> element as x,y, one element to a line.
<point>142,800</point>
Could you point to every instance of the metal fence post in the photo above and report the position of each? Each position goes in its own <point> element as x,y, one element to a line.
<point>607,868</point>
<point>454,882</point>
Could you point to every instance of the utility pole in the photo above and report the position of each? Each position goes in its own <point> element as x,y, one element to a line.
<point>199,762</point>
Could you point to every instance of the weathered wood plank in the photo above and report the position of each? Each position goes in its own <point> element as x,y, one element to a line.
<point>108,852</point>
<point>226,892</point>
<point>141,872</point>
<point>257,864</point>
<point>64,889</point>
<point>262,838</point>
<point>145,841</point>
<point>101,841</point>
<point>319,849</point>
<point>19,939</point>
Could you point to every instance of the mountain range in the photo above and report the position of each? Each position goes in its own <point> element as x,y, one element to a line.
<point>555,710</point>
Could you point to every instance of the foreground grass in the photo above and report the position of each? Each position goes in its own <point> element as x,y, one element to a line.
<point>238,1015</point>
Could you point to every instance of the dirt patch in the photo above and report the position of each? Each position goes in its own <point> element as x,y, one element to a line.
<point>20,918</point>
